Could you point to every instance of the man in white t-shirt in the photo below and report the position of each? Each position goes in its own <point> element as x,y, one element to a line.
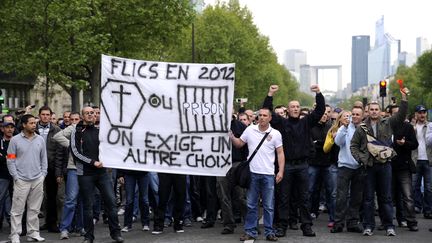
<point>262,173</point>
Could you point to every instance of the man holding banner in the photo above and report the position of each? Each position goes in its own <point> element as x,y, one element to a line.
<point>91,174</point>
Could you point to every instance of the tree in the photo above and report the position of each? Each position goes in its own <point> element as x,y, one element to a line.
<point>412,79</point>
<point>225,33</point>
<point>424,67</point>
<point>348,104</point>
<point>42,39</point>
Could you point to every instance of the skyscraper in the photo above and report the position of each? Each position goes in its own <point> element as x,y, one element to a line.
<point>294,58</point>
<point>406,59</point>
<point>359,61</point>
<point>383,58</point>
<point>422,45</point>
<point>305,77</point>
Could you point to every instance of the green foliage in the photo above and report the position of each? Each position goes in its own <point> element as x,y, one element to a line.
<point>64,39</point>
<point>225,33</point>
<point>411,76</point>
<point>306,100</point>
<point>348,104</point>
<point>424,67</point>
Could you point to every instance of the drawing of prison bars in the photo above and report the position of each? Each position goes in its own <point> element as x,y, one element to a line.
<point>203,109</point>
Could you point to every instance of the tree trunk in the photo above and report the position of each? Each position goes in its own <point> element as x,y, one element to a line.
<point>96,84</point>
<point>74,93</point>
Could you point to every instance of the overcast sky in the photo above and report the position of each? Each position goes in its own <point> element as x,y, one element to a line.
<point>324,28</point>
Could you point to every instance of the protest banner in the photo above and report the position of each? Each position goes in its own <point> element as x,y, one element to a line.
<point>166,117</point>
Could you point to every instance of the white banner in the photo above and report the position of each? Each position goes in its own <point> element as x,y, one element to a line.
<point>166,117</point>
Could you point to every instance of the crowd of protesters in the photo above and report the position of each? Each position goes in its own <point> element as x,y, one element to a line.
<point>353,164</point>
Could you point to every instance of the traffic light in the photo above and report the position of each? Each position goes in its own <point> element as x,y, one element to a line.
<point>383,88</point>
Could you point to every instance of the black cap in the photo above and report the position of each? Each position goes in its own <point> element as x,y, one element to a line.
<point>420,108</point>
<point>5,124</point>
<point>337,110</point>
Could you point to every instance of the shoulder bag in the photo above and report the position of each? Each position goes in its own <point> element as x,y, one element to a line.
<point>241,173</point>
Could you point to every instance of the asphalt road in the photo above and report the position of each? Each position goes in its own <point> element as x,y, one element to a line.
<point>196,234</point>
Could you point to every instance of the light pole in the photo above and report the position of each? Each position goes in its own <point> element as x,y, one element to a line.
<point>193,3</point>
<point>193,43</point>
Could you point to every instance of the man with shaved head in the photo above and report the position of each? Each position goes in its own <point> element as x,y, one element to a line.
<point>251,115</point>
<point>296,143</point>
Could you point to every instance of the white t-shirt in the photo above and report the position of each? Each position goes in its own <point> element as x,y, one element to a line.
<point>263,161</point>
<point>422,155</point>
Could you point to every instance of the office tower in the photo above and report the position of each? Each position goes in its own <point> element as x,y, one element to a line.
<point>422,45</point>
<point>383,58</point>
<point>406,59</point>
<point>359,61</point>
<point>306,74</point>
<point>294,58</point>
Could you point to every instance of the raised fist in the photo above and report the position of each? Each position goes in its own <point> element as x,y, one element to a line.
<point>273,89</point>
<point>315,88</point>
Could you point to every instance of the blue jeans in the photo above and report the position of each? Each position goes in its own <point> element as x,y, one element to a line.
<point>131,180</point>
<point>70,203</point>
<point>378,176</point>
<point>87,185</point>
<point>188,205</point>
<point>97,204</point>
<point>260,185</point>
<point>154,187</point>
<point>136,209</point>
<point>4,192</point>
<point>423,172</point>
<point>317,176</point>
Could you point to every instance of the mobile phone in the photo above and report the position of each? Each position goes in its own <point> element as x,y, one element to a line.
<point>32,106</point>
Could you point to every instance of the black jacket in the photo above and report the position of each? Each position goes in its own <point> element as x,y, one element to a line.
<point>85,149</point>
<point>296,132</point>
<point>4,172</point>
<point>240,154</point>
<point>61,161</point>
<point>318,135</point>
<point>403,158</point>
<point>51,145</point>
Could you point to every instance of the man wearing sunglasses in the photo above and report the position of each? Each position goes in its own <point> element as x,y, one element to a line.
<point>91,174</point>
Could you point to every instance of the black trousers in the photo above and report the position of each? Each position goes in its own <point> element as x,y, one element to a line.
<point>295,176</point>
<point>51,200</point>
<point>87,186</point>
<point>209,184</point>
<point>228,195</point>
<point>403,195</point>
<point>195,196</point>
<point>350,185</point>
<point>176,183</point>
